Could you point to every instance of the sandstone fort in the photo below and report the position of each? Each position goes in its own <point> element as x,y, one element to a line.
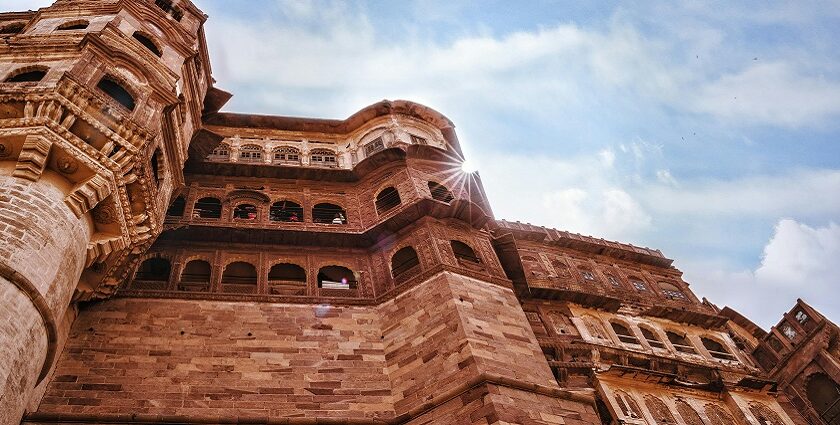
<point>164,262</point>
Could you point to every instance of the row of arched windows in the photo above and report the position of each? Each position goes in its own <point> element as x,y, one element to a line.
<point>291,212</point>
<point>282,155</point>
<point>653,337</point>
<point>241,276</point>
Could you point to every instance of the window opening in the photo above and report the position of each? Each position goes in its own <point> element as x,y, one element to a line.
<point>195,277</point>
<point>176,209</point>
<point>417,140</point>
<point>245,212</point>
<point>239,277</point>
<point>220,153</point>
<point>404,261</point>
<point>147,43</point>
<point>336,277</point>
<point>652,338</point>
<point>250,153</point>
<point>32,76</point>
<point>154,269</point>
<point>638,284</point>
<point>207,208</point>
<point>680,343</point>
<point>387,199</point>
<point>440,192</point>
<point>286,211</point>
<point>323,158</point>
<point>329,214</point>
<point>286,155</point>
<point>671,291</point>
<point>624,334</point>
<point>116,92</point>
<point>716,349</point>
<point>374,146</point>
<point>73,26</point>
<point>464,253</point>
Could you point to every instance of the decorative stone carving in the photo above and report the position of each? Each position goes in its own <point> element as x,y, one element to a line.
<point>660,411</point>
<point>66,164</point>
<point>33,158</point>
<point>88,194</point>
<point>5,148</point>
<point>689,415</point>
<point>104,214</point>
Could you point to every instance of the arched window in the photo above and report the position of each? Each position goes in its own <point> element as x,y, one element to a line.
<point>374,146</point>
<point>154,269</point>
<point>195,277</point>
<point>147,43</point>
<point>463,253</point>
<point>329,213</point>
<point>716,349</point>
<point>659,410</point>
<point>624,334</point>
<point>639,284</point>
<point>13,28</point>
<point>824,395</point>
<point>155,161</point>
<point>207,208</point>
<point>287,279</point>
<point>652,337</point>
<point>73,25</point>
<point>176,208</point>
<point>27,75</point>
<point>588,275</point>
<point>680,343</point>
<point>239,277</point>
<point>387,199</point>
<point>250,153</point>
<point>613,280</point>
<point>245,212</point>
<point>671,291</point>
<point>404,261</point>
<point>221,153</point>
<point>116,92</point>
<point>627,405</point>
<point>323,158</point>
<point>286,211</point>
<point>561,268</point>
<point>689,415</point>
<point>718,415</point>
<point>595,328</point>
<point>286,155</point>
<point>336,277</point>
<point>764,414</point>
<point>440,192</point>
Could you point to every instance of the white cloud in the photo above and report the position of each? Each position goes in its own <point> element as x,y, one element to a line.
<point>665,177</point>
<point>770,93</point>
<point>607,157</point>
<point>799,261</point>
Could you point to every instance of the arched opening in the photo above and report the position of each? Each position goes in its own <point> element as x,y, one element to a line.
<point>404,261</point>
<point>245,212</point>
<point>287,279</point>
<point>764,414</point>
<point>595,328</point>
<point>440,192</point>
<point>239,277</point>
<point>323,158</point>
<point>671,291</point>
<point>73,25</point>
<point>286,155</point>
<point>116,92</point>
<point>27,76</point>
<point>147,43</point>
<point>387,199</point>
<point>286,211</point>
<point>155,162</point>
<point>624,334</point>
<point>13,28</point>
<point>195,277</point>
<point>176,208</point>
<point>463,253</point>
<point>207,208</point>
<point>639,284</point>
<point>824,395</point>
<point>329,214</point>
<point>336,277</point>
<point>588,275</point>
<point>652,337</point>
<point>716,349</point>
<point>680,343</point>
<point>220,153</point>
<point>154,270</point>
<point>250,153</point>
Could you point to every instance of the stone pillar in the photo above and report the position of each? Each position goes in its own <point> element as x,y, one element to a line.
<point>43,246</point>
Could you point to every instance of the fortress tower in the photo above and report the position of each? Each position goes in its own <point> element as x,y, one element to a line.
<point>164,262</point>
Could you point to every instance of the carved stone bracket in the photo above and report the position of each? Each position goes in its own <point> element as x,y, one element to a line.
<point>101,248</point>
<point>88,194</point>
<point>33,158</point>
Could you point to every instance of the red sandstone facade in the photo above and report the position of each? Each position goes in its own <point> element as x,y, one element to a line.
<point>163,262</point>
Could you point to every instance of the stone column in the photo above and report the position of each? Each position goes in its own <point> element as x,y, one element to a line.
<point>43,246</point>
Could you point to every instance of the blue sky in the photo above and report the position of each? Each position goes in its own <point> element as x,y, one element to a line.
<point>705,129</point>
